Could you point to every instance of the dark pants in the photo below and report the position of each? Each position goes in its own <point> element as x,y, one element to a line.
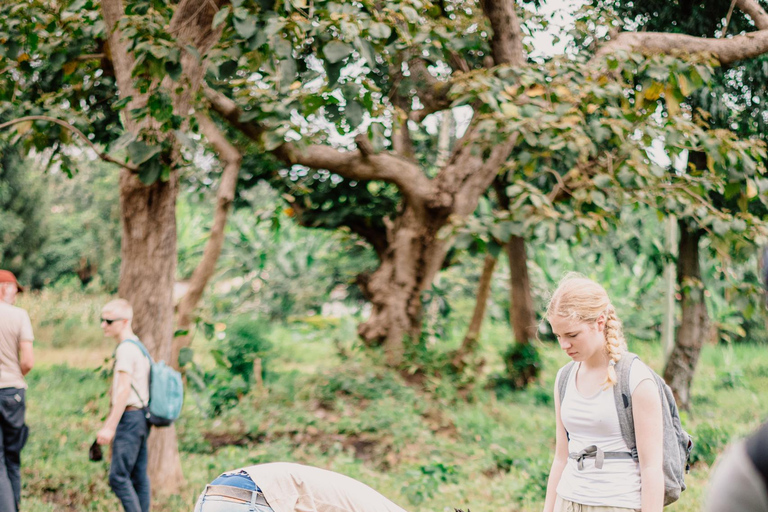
<point>13,436</point>
<point>128,473</point>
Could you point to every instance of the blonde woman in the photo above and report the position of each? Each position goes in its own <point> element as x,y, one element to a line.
<point>593,469</point>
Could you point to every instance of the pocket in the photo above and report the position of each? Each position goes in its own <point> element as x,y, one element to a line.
<point>13,409</point>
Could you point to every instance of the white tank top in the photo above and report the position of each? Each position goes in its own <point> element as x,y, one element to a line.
<point>593,420</point>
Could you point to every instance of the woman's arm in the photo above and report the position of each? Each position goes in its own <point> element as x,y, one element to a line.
<point>561,456</point>
<point>649,433</point>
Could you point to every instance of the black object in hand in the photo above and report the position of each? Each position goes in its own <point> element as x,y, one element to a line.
<point>94,452</point>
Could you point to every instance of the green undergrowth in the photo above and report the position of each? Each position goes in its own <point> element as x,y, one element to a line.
<point>327,402</point>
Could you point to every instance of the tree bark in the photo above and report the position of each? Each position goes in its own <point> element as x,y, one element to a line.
<point>693,327</point>
<point>469,344</point>
<point>146,281</point>
<point>413,257</point>
<point>521,312</point>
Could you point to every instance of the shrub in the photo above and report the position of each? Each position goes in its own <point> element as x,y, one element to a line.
<point>708,441</point>
<point>242,343</point>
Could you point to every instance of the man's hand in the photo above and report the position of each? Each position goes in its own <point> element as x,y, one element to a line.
<point>105,435</point>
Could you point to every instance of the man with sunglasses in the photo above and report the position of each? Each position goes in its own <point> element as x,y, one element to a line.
<point>126,426</point>
<point>16,360</point>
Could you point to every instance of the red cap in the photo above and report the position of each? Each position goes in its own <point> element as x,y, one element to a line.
<point>6,276</point>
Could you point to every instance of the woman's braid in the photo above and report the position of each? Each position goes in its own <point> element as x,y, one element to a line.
<point>615,345</point>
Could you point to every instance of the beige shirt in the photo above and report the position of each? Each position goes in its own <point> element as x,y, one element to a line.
<point>130,359</point>
<point>14,327</point>
<point>292,487</point>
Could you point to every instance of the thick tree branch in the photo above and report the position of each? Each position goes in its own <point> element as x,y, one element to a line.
<point>755,11</point>
<point>727,51</point>
<point>77,132</point>
<point>507,40</point>
<point>353,165</point>
<point>231,158</point>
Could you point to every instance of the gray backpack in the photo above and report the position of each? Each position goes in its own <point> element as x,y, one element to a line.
<point>677,442</point>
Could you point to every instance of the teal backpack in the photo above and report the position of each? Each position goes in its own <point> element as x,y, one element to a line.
<point>166,391</point>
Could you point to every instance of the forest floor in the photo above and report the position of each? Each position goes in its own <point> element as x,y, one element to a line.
<point>326,401</point>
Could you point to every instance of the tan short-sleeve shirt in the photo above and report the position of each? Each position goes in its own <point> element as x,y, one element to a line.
<point>130,359</point>
<point>290,487</point>
<point>15,326</point>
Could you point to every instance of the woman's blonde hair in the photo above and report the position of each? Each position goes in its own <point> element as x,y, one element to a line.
<point>582,299</point>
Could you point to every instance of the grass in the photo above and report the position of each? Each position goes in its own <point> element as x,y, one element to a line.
<point>328,403</point>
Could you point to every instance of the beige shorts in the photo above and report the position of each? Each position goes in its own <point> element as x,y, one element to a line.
<point>562,505</point>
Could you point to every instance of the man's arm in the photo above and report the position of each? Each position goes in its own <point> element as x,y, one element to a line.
<point>26,356</point>
<point>107,432</point>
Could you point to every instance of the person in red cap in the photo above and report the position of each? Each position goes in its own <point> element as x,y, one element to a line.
<point>16,360</point>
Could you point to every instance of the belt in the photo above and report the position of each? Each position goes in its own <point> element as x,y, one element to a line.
<point>238,493</point>
<point>593,452</point>
<point>129,408</point>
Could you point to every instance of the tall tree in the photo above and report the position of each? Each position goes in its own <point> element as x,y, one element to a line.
<point>733,100</point>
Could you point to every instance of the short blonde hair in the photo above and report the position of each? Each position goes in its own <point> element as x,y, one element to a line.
<point>120,307</point>
<point>584,300</point>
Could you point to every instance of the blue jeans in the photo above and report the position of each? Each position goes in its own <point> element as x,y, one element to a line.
<point>128,472</point>
<point>13,436</point>
<point>214,503</point>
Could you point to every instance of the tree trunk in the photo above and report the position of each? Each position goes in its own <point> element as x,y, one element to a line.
<point>693,326</point>
<point>668,323</point>
<point>521,313</point>
<point>408,267</point>
<point>469,344</point>
<point>146,281</point>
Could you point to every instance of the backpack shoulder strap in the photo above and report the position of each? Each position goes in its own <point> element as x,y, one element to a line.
<point>562,383</point>
<point>757,450</point>
<point>622,396</point>
<point>141,346</point>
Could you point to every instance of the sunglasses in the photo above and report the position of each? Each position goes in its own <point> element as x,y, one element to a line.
<point>110,321</point>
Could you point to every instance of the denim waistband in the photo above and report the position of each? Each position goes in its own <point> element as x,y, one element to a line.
<point>226,491</point>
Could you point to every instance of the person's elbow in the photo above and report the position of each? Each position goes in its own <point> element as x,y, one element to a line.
<point>26,357</point>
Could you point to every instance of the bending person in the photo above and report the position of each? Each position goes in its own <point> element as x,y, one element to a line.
<point>289,487</point>
<point>588,330</point>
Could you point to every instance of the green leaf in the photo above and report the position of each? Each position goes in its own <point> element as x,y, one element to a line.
<point>227,69</point>
<point>121,103</point>
<point>272,140</point>
<point>245,28</point>
<point>122,142</point>
<point>139,151</point>
<point>720,227</point>
<point>566,231</point>
<point>335,51</point>
<point>185,356</point>
<point>380,31</point>
<point>193,51</point>
<point>173,69</point>
<point>220,16</point>
<point>150,171</point>
<point>354,114</point>
<point>366,50</point>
